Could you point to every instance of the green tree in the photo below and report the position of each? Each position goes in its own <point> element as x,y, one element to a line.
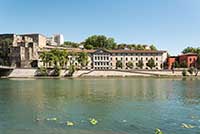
<point>55,56</point>
<point>130,65</point>
<point>191,50</point>
<point>140,64</point>
<point>151,63</point>
<point>63,58</point>
<point>72,69</point>
<point>83,59</point>
<point>43,57</point>
<point>119,64</point>
<point>42,71</point>
<point>121,46</point>
<point>183,64</point>
<point>152,47</point>
<point>56,71</point>
<point>140,47</point>
<point>99,41</point>
<point>5,47</point>
<point>70,44</point>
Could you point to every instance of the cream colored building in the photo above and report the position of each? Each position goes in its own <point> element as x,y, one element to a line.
<point>107,59</point>
<point>102,59</point>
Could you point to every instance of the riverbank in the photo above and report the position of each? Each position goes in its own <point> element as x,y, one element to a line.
<point>31,73</point>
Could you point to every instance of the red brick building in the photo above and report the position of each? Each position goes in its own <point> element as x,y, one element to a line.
<point>170,61</point>
<point>188,59</point>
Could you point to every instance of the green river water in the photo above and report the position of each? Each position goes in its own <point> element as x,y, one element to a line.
<point>120,105</point>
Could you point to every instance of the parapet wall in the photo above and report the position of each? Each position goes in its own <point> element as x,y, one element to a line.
<point>30,73</point>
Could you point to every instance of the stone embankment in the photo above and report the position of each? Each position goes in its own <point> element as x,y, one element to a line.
<point>30,73</point>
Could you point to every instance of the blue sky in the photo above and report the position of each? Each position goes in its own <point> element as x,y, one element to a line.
<point>169,24</point>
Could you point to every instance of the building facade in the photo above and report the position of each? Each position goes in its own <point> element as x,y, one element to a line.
<point>18,50</point>
<point>107,59</point>
<point>102,59</point>
<point>39,39</point>
<point>183,61</point>
<point>23,50</point>
<point>55,40</point>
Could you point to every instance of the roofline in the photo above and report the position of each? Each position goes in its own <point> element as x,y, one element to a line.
<point>8,34</point>
<point>137,51</point>
<point>189,54</point>
<point>33,34</point>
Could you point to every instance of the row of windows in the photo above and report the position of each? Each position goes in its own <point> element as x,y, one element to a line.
<point>107,58</point>
<point>107,63</point>
<point>137,54</point>
<point>135,59</point>
<point>102,63</point>
<point>101,58</point>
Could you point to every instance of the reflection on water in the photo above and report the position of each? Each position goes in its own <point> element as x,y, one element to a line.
<point>121,105</point>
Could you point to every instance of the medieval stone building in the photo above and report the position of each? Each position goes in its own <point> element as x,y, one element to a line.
<point>18,50</point>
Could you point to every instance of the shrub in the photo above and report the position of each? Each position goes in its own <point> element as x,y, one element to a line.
<point>119,64</point>
<point>184,73</point>
<point>56,71</point>
<point>72,69</point>
<point>129,65</point>
<point>151,63</point>
<point>42,71</point>
<point>191,70</point>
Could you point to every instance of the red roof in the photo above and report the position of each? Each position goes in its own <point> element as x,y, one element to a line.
<point>189,54</point>
<point>111,51</point>
<point>136,51</point>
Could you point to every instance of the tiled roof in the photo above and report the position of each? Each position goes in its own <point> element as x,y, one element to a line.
<point>111,51</point>
<point>136,51</point>
<point>189,54</point>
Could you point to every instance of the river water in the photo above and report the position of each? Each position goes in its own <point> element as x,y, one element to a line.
<point>120,105</point>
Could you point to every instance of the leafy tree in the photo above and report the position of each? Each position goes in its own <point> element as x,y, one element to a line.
<point>130,65</point>
<point>42,71</point>
<point>63,58</point>
<point>176,64</point>
<point>99,41</point>
<point>151,63</point>
<point>5,46</point>
<point>189,50</point>
<point>56,71</point>
<point>152,47</point>
<point>183,64</point>
<point>83,59</point>
<point>43,57</point>
<point>140,47</point>
<point>140,64</point>
<point>55,56</point>
<point>121,46</point>
<point>119,64</point>
<point>70,44</point>
<point>72,69</point>
<point>88,47</point>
